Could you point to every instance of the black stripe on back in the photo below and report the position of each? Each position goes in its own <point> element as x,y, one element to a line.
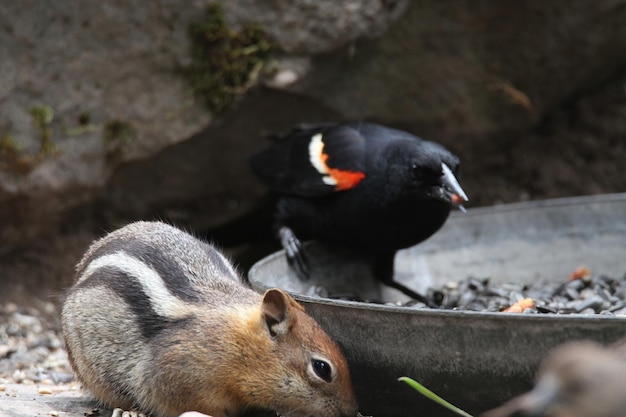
<point>220,262</point>
<point>131,291</point>
<point>173,276</point>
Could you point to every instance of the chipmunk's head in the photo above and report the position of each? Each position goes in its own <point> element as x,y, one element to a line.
<point>308,372</point>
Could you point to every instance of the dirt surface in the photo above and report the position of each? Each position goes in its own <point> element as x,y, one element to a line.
<point>47,400</point>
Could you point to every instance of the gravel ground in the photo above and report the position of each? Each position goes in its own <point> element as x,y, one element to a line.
<point>31,347</point>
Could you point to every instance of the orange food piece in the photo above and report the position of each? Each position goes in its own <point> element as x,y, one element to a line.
<point>520,306</point>
<point>582,272</point>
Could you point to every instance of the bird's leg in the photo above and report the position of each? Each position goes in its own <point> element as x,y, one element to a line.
<point>296,255</point>
<point>383,270</point>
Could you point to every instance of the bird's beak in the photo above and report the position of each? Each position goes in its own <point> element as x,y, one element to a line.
<point>450,183</point>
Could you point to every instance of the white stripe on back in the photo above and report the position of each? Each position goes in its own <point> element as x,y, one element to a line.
<point>160,298</point>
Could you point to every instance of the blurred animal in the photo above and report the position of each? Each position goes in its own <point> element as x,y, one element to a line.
<point>577,379</point>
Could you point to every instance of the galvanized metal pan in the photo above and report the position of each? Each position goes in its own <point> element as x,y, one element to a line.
<point>475,360</point>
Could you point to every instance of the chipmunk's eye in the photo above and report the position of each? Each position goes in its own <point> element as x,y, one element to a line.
<point>322,369</point>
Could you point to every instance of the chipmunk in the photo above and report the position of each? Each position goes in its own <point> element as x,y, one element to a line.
<point>159,321</point>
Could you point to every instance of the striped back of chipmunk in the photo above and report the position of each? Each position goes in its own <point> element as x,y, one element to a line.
<point>159,272</point>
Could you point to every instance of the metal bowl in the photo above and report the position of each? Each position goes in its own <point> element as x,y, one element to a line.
<point>475,360</point>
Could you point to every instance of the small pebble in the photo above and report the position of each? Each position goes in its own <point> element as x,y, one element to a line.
<point>285,77</point>
<point>62,377</point>
<point>44,391</point>
<point>10,308</point>
<point>54,413</point>
<point>452,285</point>
<point>4,350</point>
<point>18,376</point>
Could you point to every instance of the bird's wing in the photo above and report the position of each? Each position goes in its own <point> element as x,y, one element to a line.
<point>315,161</point>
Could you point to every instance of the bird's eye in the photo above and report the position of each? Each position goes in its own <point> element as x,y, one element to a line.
<point>322,369</point>
<point>417,172</point>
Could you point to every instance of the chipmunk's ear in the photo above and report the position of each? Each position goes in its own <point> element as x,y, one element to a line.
<point>278,310</point>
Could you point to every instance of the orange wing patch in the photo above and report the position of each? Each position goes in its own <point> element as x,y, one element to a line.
<point>344,179</point>
<point>341,179</point>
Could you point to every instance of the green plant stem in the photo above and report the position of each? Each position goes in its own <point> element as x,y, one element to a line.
<point>432,396</point>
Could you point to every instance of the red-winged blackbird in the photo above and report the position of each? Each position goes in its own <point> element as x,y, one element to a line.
<point>368,187</point>
<point>577,379</point>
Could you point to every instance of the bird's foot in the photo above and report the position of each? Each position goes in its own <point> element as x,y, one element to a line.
<point>296,255</point>
<point>383,270</point>
<point>413,294</point>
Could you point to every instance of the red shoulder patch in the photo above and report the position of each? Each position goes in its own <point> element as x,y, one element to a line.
<point>344,179</point>
<point>339,178</point>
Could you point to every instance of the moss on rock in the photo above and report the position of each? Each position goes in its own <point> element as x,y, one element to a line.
<point>117,135</point>
<point>14,159</point>
<point>225,62</point>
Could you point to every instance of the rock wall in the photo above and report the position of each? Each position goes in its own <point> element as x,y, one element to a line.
<point>99,125</point>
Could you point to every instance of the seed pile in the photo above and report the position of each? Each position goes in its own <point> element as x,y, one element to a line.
<point>583,293</point>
